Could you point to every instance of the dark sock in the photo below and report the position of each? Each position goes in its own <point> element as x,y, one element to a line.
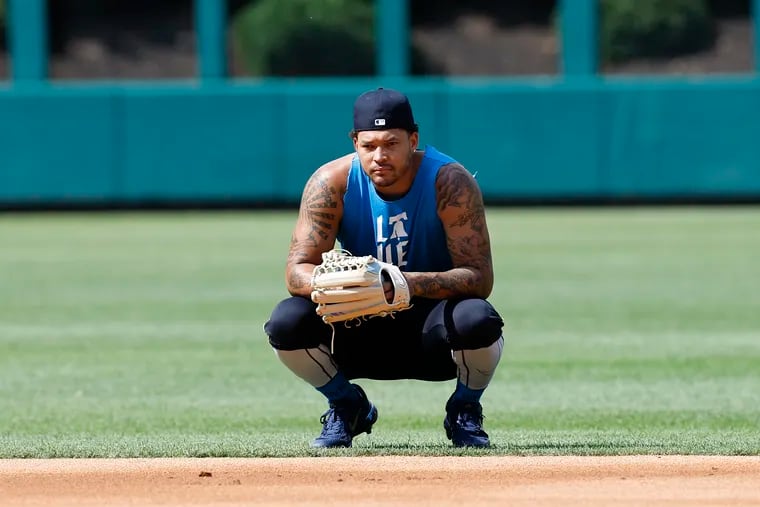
<point>339,389</point>
<point>466,395</point>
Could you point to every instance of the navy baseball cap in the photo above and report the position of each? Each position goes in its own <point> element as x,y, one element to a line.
<point>383,109</point>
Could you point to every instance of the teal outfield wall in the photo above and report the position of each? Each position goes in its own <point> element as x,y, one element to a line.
<point>259,141</point>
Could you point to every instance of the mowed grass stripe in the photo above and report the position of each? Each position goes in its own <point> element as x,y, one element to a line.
<point>136,334</point>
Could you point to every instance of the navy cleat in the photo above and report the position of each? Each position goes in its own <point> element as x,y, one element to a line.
<point>464,424</point>
<point>343,421</point>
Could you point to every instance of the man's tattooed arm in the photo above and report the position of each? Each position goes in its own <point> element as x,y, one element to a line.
<point>461,210</point>
<point>316,228</point>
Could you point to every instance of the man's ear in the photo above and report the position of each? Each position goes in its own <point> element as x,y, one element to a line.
<point>414,140</point>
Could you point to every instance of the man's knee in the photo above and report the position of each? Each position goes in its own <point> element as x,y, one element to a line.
<point>472,324</point>
<point>295,325</point>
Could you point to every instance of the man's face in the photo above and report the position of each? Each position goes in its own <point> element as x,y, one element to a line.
<point>386,156</point>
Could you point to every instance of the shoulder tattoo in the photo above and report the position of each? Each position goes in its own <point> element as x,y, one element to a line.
<point>457,189</point>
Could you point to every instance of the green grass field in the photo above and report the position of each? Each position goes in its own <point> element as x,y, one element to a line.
<point>629,331</point>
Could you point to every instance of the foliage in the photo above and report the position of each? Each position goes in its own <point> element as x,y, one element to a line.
<point>311,38</point>
<point>654,28</point>
<point>306,37</point>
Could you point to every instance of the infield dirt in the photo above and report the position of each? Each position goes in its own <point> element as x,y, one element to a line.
<point>387,480</point>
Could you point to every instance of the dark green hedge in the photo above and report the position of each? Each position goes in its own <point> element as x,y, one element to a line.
<point>654,28</point>
<point>305,37</point>
<point>309,38</point>
<point>336,37</point>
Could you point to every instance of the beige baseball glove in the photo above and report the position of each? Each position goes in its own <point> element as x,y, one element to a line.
<point>347,287</point>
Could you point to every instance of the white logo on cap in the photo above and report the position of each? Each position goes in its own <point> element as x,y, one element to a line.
<point>379,122</point>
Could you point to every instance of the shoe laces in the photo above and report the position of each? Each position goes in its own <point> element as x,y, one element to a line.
<point>335,420</point>
<point>332,423</point>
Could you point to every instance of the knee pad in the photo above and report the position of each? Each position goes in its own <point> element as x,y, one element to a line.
<point>295,325</point>
<point>471,323</point>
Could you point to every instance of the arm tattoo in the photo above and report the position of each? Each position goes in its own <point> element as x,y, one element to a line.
<point>454,282</point>
<point>296,256</point>
<point>460,205</point>
<point>318,199</point>
<point>456,188</point>
<point>317,217</point>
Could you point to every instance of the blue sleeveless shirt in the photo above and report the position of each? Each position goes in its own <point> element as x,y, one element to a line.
<point>406,231</point>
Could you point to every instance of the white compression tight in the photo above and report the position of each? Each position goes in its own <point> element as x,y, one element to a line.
<point>475,368</point>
